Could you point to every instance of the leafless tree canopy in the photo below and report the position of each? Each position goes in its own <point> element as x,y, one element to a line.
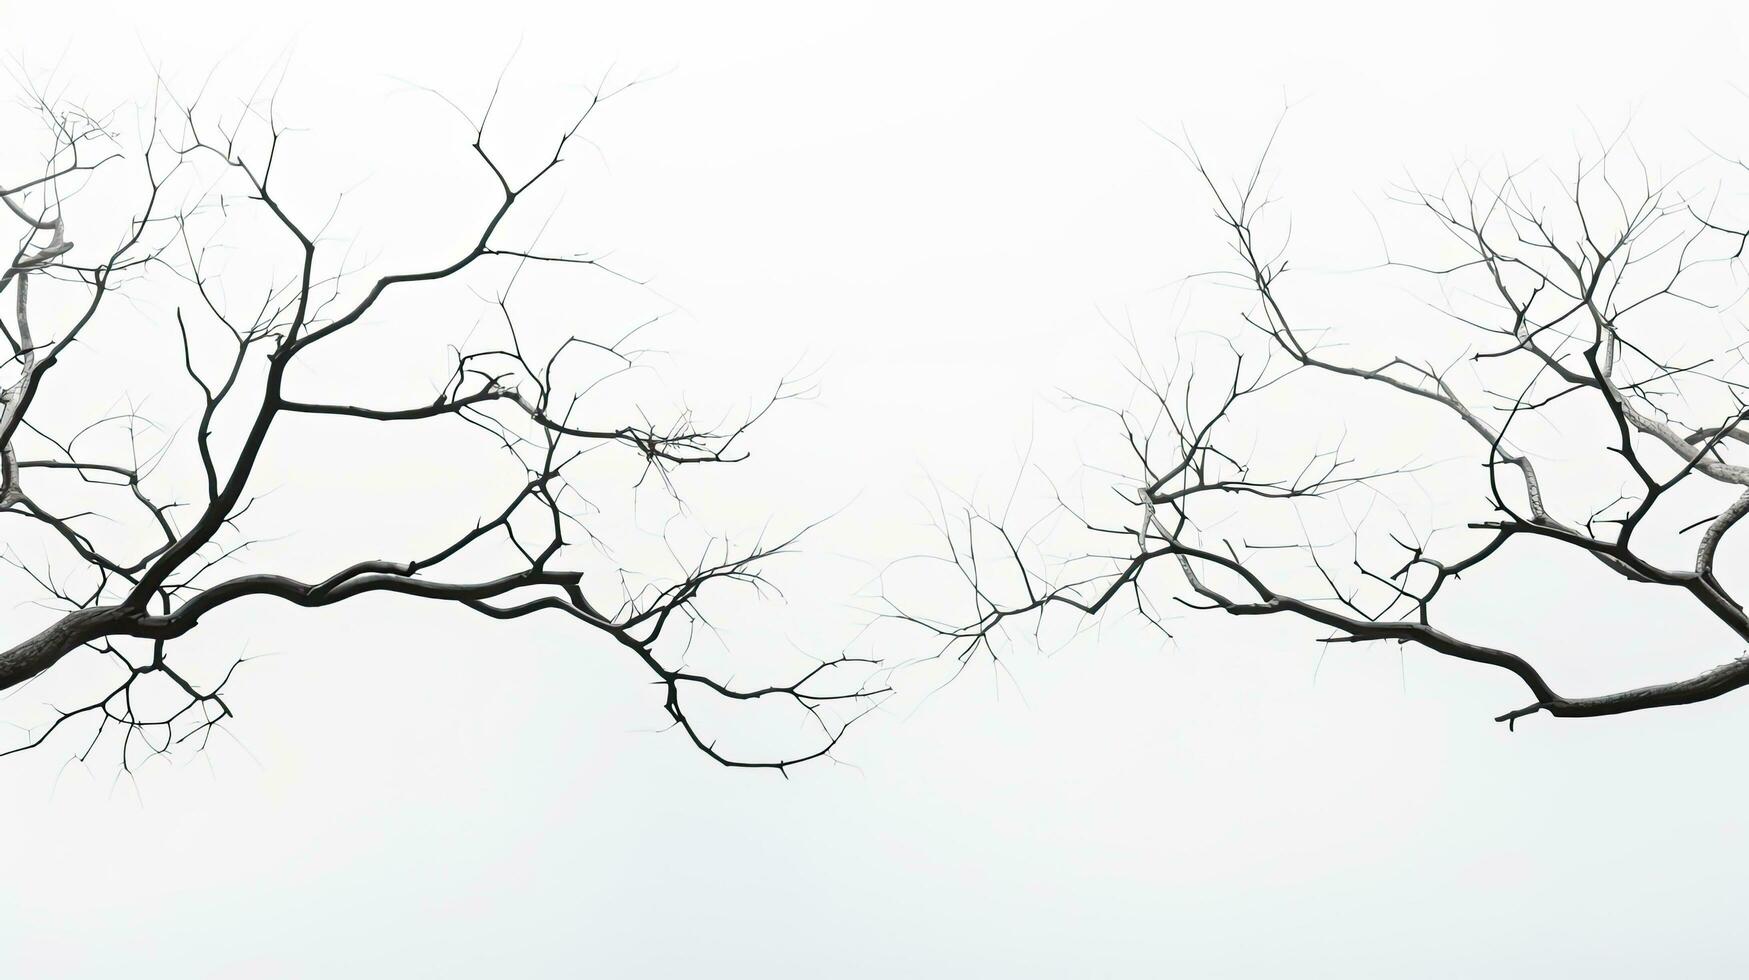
<point>1593,308</point>
<point>132,523</point>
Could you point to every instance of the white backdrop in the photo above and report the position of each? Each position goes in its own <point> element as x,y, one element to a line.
<point>939,207</point>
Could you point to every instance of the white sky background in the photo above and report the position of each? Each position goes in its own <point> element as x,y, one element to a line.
<point>938,209</point>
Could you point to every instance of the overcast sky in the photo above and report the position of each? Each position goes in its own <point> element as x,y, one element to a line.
<point>939,210</point>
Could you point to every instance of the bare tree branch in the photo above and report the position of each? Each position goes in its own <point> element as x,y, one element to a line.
<point>1573,311</point>
<point>132,593</point>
